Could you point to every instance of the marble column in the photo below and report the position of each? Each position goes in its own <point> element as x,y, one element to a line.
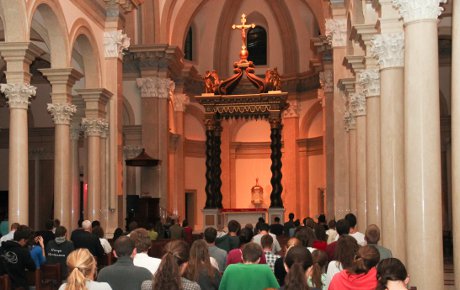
<point>388,48</point>
<point>422,142</point>
<point>350,127</point>
<point>18,96</point>
<point>75,130</point>
<point>455,111</point>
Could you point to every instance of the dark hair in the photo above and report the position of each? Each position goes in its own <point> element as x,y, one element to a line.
<point>184,223</point>
<point>320,232</point>
<point>14,226</point>
<point>266,241</point>
<point>319,263</point>
<point>322,218</point>
<point>60,231</point>
<point>168,275</point>
<point>331,224</point>
<point>245,236</point>
<point>291,216</point>
<point>56,223</point>
<point>372,234</point>
<point>117,233</point>
<point>351,218</point>
<point>346,250</point>
<point>264,227</point>
<point>234,226</point>
<point>297,223</point>
<point>49,225</point>
<point>306,235</point>
<point>367,257</point>
<point>124,246</point>
<point>95,223</point>
<point>199,260</point>
<point>210,235</point>
<point>261,219</point>
<point>309,222</point>
<point>132,226</point>
<point>141,239</point>
<point>98,231</point>
<point>343,227</point>
<point>390,269</point>
<point>298,259</point>
<point>277,219</point>
<point>23,232</point>
<point>252,252</point>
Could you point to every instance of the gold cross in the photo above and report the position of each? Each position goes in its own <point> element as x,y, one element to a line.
<point>243,26</point>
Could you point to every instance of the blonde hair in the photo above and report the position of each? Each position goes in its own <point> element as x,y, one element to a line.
<point>82,266</point>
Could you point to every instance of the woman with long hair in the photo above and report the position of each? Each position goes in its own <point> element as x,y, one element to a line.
<point>280,271</point>
<point>362,275</point>
<point>345,252</point>
<point>392,275</point>
<point>317,274</point>
<point>199,267</point>
<point>298,260</point>
<point>82,271</point>
<point>99,232</point>
<point>173,265</point>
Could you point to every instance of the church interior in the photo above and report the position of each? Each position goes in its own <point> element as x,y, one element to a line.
<point>105,115</point>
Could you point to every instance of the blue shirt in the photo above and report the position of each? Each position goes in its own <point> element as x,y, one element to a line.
<point>37,256</point>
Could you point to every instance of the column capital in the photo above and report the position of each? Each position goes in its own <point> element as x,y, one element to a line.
<point>158,59</point>
<point>62,112</point>
<point>180,102</point>
<point>62,81</point>
<point>336,31</point>
<point>357,103</point>
<point>115,42</point>
<point>388,49</point>
<point>18,95</point>
<point>413,10</point>
<point>132,151</point>
<point>94,126</point>
<point>369,81</point>
<point>326,79</point>
<point>95,101</point>
<point>156,87</point>
<point>293,110</point>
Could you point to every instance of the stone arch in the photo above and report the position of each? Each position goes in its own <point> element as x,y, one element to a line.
<point>166,17</point>
<point>54,20</point>
<point>317,11</point>
<point>15,22</point>
<point>183,19</point>
<point>128,113</point>
<point>308,118</point>
<point>82,35</point>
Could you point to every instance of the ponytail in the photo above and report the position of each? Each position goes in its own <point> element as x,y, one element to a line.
<point>168,275</point>
<point>76,280</point>
<point>82,266</point>
<point>296,279</point>
<point>316,275</point>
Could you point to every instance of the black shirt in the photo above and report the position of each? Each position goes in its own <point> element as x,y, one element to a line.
<point>16,259</point>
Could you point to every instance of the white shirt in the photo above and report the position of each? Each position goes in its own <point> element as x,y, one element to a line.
<point>8,237</point>
<point>276,245</point>
<point>106,245</point>
<point>92,285</point>
<point>333,268</point>
<point>145,261</point>
<point>359,237</point>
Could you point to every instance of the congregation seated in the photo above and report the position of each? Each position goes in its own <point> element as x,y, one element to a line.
<point>143,243</point>
<point>47,234</point>
<point>235,256</point>
<point>280,270</point>
<point>351,218</point>
<point>99,232</point>
<point>37,251</point>
<point>317,275</point>
<point>231,240</point>
<point>345,252</point>
<point>218,254</point>
<point>267,246</point>
<point>277,228</point>
<point>372,237</point>
<point>83,238</point>
<point>199,268</point>
<point>59,249</point>
<point>343,228</point>
<point>392,275</point>
<point>307,236</point>
<point>264,228</point>
<point>297,261</point>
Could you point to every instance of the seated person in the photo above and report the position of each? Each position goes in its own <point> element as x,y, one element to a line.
<point>235,256</point>
<point>59,249</point>
<point>298,261</point>
<point>37,251</point>
<point>231,240</point>
<point>276,228</point>
<point>143,243</point>
<point>372,237</point>
<point>267,243</point>
<point>392,275</point>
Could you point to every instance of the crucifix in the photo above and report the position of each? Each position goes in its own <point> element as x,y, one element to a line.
<point>243,26</point>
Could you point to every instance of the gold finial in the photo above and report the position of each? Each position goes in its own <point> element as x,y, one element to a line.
<point>243,27</point>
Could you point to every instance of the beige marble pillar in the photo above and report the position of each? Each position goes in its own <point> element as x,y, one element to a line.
<point>422,143</point>
<point>105,198</point>
<point>388,48</point>
<point>455,111</point>
<point>75,174</point>
<point>350,127</point>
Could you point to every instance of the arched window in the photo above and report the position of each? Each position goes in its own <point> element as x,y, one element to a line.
<point>257,45</point>
<point>188,47</point>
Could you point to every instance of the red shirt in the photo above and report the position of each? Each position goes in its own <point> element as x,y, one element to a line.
<point>347,281</point>
<point>320,245</point>
<point>235,256</point>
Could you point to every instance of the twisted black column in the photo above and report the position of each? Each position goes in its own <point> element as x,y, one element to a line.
<point>210,201</point>
<point>275,146</point>
<point>216,165</point>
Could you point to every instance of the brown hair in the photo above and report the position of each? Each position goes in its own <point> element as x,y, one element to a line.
<point>366,258</point>
<point>266,241</point>
<point>141,239</point>
<point>252,252</point>
<point>82,267</point>
<point>372,234</point>
<point>346,250</point>
<point>298,259</point>
<point>168,275</point>
<point>199,260</point>
<point>319,263</point>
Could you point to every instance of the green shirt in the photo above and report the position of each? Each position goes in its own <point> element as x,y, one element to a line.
<point>248,276</point>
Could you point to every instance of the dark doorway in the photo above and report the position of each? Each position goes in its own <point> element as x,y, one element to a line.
<point>190,206</point>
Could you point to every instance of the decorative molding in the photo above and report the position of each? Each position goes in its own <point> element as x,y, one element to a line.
<point>369,80</point>
<point>18,95</point>
<point>326,79</point>
<point>61,112</point>
<point>413,10</point>
<point>115,42</point>
<point>358,104</point>
<point>94,127</point>
<point>155,87</point>
<point>336,31</point>
<point>132,151</point>
<point>180,102</point>
<point>388,49</point>
<point>349,120</point>
<point>293,110</point>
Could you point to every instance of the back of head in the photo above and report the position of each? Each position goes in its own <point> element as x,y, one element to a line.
<point>60,231</point>
<point>141,239</point>
<point>292,242</point>
<point>117,233</point>
<point>390,269</point>
<point>98,231</point>
<point>23,232</point>
<point>168,275</point>
<point>291,216</point>
<point>199,260</point>
<point>306,235</point>
<point>277,219</point>
<point>234,226</point>
<point>57,223</point>
<point>366,258</point>
<point>319,264</point>
<point>322,218</point>
<point>346,250</point>
<point>82,266</point>
<point>14,226</point>
<point>266,241</point>
<point>264,227</point>
<point>210,235</point>
<point>343,227</point>
<point>351,218</point>
<point>298,259</point>
<point>95,223</point>
<point>49,225</point>
<point>331,224</point>
<point>309,222</point>
<point>185,223</point>
<point>372,235</point>
<point>86,225</point>
<point>124,246</point>
<point>132,226</point>
<point>246,236</point>
<point>252,253</point>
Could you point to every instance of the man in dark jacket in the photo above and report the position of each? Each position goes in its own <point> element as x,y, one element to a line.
<point>47,234</point>
<point>15,257</point>
<point>58,249</point>
<point>85,239</point>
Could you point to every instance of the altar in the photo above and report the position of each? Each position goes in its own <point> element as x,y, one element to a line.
<point>244,215</point>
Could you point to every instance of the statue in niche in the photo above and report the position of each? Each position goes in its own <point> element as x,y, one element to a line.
<point>211,82</point>
<point>272,80</point>
<point>257,194</point>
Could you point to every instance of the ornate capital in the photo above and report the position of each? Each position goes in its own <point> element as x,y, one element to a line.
<point>180,101</point>
<point>369,80</point>
<point>94,127</point>
<point>132,151</point>
<point>349,120</point>
<point>326,79</point>
<point>358,104</point>
<point>115,42</point>
<point>413,10</point>
<point>336,30</point>
<point>61,112</point>
<point>18,95</point>
<point>155,87</point>
<point>388,49</point>
<point>293,110</point>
